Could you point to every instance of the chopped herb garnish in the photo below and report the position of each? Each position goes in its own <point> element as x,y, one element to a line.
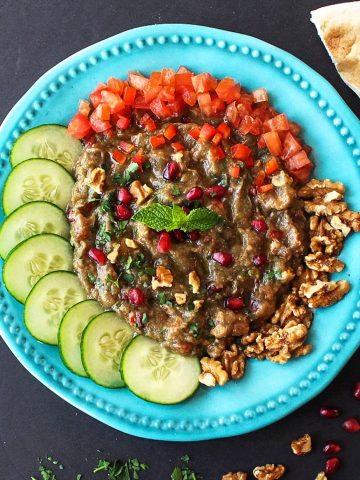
<point>129,277</point>
<point>112,281</point>
<point>129,470</point>
<point>176,191</point>
<point>128,263</point>
<point>190,306</point>
<point>127,175</point>
<point>94,280</point>
<point>185,458</point>
<point>78,476</point>
<point>195,329</point>
<point>184,472</point>
<point>270,275</point>
<point>121,226</point>
<point>103,236</point>
<point>144,319</point>
<point>150,271</point>
<point>163,300</point>
<point>211,323</point>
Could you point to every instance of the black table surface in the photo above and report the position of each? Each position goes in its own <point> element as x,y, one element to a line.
<point>34,36</point>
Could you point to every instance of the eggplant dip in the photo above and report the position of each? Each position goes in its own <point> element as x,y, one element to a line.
<point>193,217</point>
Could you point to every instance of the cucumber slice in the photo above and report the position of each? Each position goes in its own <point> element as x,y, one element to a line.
<point>102,346</point>
<point>157,375</point>
<point>32,219</point>
<point>47,141</point>
<point>37,179</point>
<point>47,303</point>
<point>34,258</point>
<point>71,328</point>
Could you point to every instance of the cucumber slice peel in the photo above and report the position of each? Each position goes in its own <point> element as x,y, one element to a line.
<point>47,303</point>
<point>34,258</point>
<point>70,332</point>
<point>47,141</point>
<point>32,219</point>
<point>102,346</point>
<point>37,179</point>
<point>157,375</point>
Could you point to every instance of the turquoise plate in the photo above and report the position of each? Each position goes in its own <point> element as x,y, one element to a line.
<point>268,392</point>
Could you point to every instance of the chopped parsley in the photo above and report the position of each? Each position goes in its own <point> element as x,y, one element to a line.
<point>112,281</point>
<point>211,323</point>
<point>129,277</point>
<point>128,263</point>
<point>150,271</point>
<point>102,235</point>
<point>120,226</point>
<point>130,470</point>
<point>128,174</point>
<point>94,280</point>
<point>195,329</point>
<point>190,306</point>
<point>184,472</point>
<point>163,299</point>
<point>176,191</point>
<point>105,205</point>
<point>270,275</point>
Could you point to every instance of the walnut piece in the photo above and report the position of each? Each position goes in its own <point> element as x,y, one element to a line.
<point>269,472</point>
<point>180,298</point>
<point>112,256</point>
<point>233,360</point>
<point>320,188</point>
<point>198,305</point>
<point>131,243</point>
<point>335,222</point>
<point>322,263</point>
<point>302,445</point>
<point>319,207</point>
<point>194,281</point>
<point>140,192</point>
<point>163,278</point>
<point>321,476</point>
<point>96,180</point>
<point>235,476</point>
<point>323,294</point>
<point>351,219</point>
<point>215,369</point>
<point>292,310</point>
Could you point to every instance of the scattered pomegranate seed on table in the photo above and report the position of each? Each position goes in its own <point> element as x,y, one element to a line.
<point>164,243</point>
<point>329,412</point>
<point>357,391</point>
<point>332,464</point>
<point>97,255</point>
<point>332,447</point>
<point>223,258</point>
<point>351,425</point>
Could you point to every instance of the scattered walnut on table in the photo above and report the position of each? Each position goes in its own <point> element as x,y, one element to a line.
<point>235,476</point>
<point>212,372</point>
<point>322,263</point>
<point>269,472</point>
<point>323,294</point>
<point>321,476</point>
<point>302,445</point>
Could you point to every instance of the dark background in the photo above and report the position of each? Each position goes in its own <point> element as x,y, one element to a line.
<point>34,36</point>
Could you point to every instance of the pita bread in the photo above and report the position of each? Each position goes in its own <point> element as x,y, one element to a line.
<point>339,29</point>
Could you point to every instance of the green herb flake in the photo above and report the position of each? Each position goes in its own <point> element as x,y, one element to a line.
<point>162,298</point>
<point>176,191</point>
<point>270,275</point>
<point>128,263</point>
<point>112,281</point>
<point>195,330</point>
<point>79,476</point>
<point>120,226</point>
<point>129,278</point>
<point>211,323</point>
<point>185,458</point>
<point>150,271</point>
<point>127,175</point>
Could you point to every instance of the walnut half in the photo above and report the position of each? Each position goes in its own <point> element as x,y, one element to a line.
<point>323,294</point>
<point>233,360</point>
<point>235,476</point>
<point>269,472</point>
<point>212,372</point>
<point>302,445</point>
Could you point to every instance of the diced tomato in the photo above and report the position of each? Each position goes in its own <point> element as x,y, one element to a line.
<point>168,76</point>
<point>204,82</point>
<point>102,112</point>
<point>260,95</point>
<point>244,105</point>
<point>290,146</point>
<point>279,123</point>
<point>273,143</point>
<point>119,157</point>
<point>303,174</point>
<point>240,151</point>
<point>234,171</point>
<point>217,105</point>
<point>297,161</point>
<point>188,94</point>
<point>129,95</point>
<point>167,94</point>
<point>259,179</point>
<point>140,103</point>
<point>183,80</point>
<point>126,146</point>
<point>137,80</point>
<point>232,114</point>
<point>218,153</point>
<point>183,69</point>
<point>217,138</point>
<point>139,158</point>
<point>115,102</point>
<point>207,131</point>
<point>84,108</point>
<point>228,90</point>
<point>122,122</point>
<point>157,140</point>
<point>295,128</point>
<point>79,126</point>
<point>155,79</point>
<point>250,125</point>
<point>95,98</point>
<point>97,124</point>
<point>195,132</point>
<point>224,129</point>
<point>160,109</point>
<point>109,134</point>
<point>261,142</point>
<point>148,123</point>
<point>176,107</point>
<point>116,85</point>
<point>178,146</point>
<point>249,162</point>
<point>265,188</point>
<point>271,166</point>
<point>170,132</point>
<point>204,101</point>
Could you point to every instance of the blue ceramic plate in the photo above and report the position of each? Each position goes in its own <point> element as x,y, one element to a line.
<point>268,392</point>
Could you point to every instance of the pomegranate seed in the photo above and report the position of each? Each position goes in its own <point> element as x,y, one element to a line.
<point>179,235</point>
<point>234,303</point>
<point>216,192</point>
<point>331,465</point>
<point>164,243</point>
<point>194,193</point>
<point>140,319</point>
<point>212,288</point>
<point>185,209</point>
<point>171,171</point>
<point>259,225</point>
<point>70,215</point>
<point>259,260</point>
<point>329,412</point>
<point>124,196</point>
<point>276,234</point>
<point>194,235</point>
<point>124,213</point>
<point>97,255</point>
<point>125,296</point>
<point>136,296</point>
<point>351,425</point>
<point>331,447</point>
<point>357,391</point>
<point>224,258</point>
<point>88,208</point>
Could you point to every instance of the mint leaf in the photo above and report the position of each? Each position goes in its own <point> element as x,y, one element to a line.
<point>201,219</point>
<point>179,217</point>
<point>156,216</point>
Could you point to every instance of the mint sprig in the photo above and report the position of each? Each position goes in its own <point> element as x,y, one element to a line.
<point>162,217</point>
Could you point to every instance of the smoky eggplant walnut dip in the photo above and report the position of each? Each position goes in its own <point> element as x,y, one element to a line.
<point>193,217</point>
